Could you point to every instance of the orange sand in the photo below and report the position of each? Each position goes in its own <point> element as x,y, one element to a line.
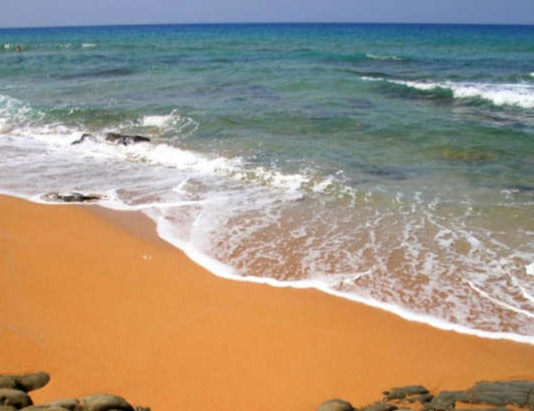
<point>97,300</point>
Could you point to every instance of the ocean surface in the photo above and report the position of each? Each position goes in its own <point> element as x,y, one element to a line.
<point>388,164</point>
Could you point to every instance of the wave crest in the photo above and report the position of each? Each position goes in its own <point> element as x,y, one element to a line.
<point>519,95</point>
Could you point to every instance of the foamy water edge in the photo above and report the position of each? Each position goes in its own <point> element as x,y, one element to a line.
<point>225,271</point>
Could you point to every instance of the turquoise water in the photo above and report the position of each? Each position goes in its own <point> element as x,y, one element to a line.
<point>391,164</point>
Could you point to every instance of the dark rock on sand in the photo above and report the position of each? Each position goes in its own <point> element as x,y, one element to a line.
<point>126,139</point>
<point>335,405</point>
<point>519,393</point>
<point>105,402</point>
<point>7,408</point>
<point>25,382</point>
<point>399,393</point>
<point>424,398</point>
<point>71,197</point>
<point>70,404</point>
<point>490,409</point>
<point>84,138</point>
<point>380,406</point>
<point>45,408</point>
<point>446,400</point>
<point>14,398</point>
<point>34,381</point>
<point>9,381</point>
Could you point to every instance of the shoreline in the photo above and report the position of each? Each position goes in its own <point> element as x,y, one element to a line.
<point>221,270</point>
<point>94,313</point>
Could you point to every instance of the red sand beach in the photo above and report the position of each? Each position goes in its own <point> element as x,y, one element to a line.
<point>97,300</point>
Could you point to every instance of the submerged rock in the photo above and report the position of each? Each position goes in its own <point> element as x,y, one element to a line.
<point>335,404</point>
<point>72,197</point>
<point>84,138</point>
<point>125,139</point>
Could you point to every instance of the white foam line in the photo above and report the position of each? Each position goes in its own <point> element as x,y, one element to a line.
<point>484,294</point>
<point>147,206</point>
<point>376,57</point>
<point>222,270</point>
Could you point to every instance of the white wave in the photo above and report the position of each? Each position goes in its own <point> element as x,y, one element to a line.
<point>291,182</point>
<point>88,45</point>
<point>375,57</point>
<point>321,186</point>
<point>530,269</point>
<point>509,94</point>
<point>156,121</point>
<point>7,46</point>
<point>170,122</point>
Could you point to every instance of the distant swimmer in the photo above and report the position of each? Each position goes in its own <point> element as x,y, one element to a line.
<point>18,48</point>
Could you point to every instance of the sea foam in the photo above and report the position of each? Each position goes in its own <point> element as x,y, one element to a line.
<point>520,95</point>
<point>375,57</point>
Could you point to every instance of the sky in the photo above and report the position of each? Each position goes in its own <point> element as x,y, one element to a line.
<point>29,13</point>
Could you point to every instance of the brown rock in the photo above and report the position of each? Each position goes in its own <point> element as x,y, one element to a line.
<point>105,402</point>
<point>335,404</point>
<point>14,398</point>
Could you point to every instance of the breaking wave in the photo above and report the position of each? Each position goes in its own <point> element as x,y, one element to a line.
<point>519,95</point>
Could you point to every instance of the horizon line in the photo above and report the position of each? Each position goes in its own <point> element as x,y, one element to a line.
<point>208,23</point>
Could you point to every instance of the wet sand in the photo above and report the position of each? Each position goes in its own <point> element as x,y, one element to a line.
<point>96,299</point>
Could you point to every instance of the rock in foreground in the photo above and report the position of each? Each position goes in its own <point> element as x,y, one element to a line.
<point>490,396</point>
<point>13,397</point>
<point>25,382</point>
<point>335,404</point>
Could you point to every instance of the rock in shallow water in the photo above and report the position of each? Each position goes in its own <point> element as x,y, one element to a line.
<point>125,139</point>
<point>72,197</point>
<point>83,139</point>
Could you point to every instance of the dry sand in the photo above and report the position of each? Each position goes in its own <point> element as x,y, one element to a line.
<point>97,300</point>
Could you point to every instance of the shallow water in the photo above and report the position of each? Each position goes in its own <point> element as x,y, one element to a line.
<point>390,164</point>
